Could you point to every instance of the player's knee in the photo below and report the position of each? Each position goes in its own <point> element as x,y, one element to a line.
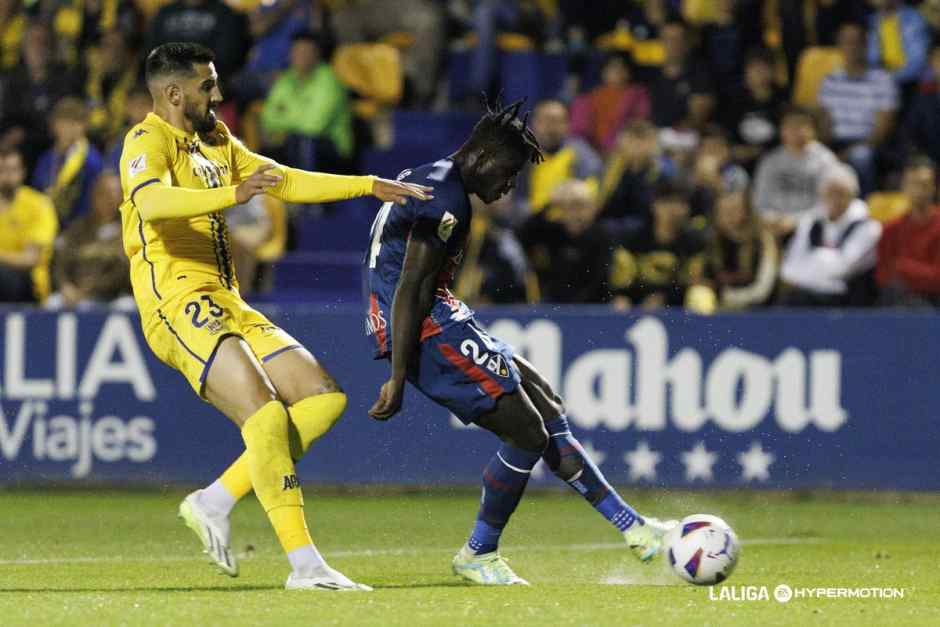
<point>330,386</point>
<point>533,437</point>
<point>569,467</point>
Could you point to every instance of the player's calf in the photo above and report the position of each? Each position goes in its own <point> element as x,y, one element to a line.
<point>518,424</point>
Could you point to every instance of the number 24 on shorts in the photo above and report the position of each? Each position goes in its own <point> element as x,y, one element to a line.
<point>195,309</point>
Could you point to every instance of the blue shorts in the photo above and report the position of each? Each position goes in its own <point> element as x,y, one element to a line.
<point>465,370</point>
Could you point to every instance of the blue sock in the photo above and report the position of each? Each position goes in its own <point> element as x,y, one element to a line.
<point>571,464</point>
<point>504,480</point>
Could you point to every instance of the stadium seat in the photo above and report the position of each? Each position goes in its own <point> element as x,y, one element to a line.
<point>318,276</point>
<point>373,71</point>
<point>887,206</point>
<point>814,64</point>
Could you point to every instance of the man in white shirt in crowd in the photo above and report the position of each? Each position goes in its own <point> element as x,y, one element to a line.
<point>830,260</point>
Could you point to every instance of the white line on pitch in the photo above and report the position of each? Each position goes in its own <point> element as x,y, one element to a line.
<point>600,546</point>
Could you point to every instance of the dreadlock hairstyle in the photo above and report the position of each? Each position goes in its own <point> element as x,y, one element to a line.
<point>502,131</point>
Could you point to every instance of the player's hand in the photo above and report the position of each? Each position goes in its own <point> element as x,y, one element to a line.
<point>257,183</point>
<point>390,398</point>
<point>399,191</point>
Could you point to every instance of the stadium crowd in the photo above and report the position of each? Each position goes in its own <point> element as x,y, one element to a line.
<point>709,154</point>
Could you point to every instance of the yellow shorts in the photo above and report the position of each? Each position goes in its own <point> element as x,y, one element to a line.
<point>185,331</point>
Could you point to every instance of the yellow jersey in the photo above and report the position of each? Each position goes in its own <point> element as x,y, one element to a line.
<point>180,238</point>
<point>31,219</point>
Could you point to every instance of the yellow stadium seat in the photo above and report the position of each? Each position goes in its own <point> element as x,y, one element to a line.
<point>373,71</point>
<point>399,39</point>
<point>887,206</point>
<point>814,64</point>
<point>507,42</point>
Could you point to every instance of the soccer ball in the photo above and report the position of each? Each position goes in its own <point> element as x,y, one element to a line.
<point>702,549</point>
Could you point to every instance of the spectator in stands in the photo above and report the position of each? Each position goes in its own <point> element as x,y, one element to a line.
<point>713,170</point>
<point>102,16</point>
<point>861,104</point>
<point>922,126</point>
<point>735,28</point>
<point>67,171</point>
<point>742,258</point>
<point>208,22</point>
<point>273,26</point>
<point>898,40</point>
<point>494,268</point>
<point>805,24</point>
<point>643,23</point>
<point>30,92</point>
<point>12,27</point>
<point>90,264</point>
<point>421,21</point>
<point>632,174</point>
<point>307,112</point>
<point>908,270</point>
<point>787,179</point>
<point>752,116</point>
<point>250,227</point>
<point>565,157</point>
<point>110,79</point>
<point>568,249</point>
<point>830,260</point>
<point>682,94</point>
<point>28,227</point>
<point>657,264</point>
<point>599,115</point>
<point>139,103</point>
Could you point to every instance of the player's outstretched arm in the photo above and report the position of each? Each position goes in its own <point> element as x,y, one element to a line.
<point>413,300</point>
<point>159,201</point>
<point>302,186</point>
<point>310,187</point>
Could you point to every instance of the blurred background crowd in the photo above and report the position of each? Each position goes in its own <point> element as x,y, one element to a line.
<point>708,154</point>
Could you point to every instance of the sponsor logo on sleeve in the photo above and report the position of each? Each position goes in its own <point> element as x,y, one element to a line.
<point>137,165</point>
<point>446,226</point>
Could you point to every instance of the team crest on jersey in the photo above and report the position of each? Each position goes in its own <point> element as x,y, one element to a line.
<point>139,132</point>
<point>137,165</point>
<point>214,327</point>
<point>494,362</point>
<point>446,228</point>
<point>497,365</point>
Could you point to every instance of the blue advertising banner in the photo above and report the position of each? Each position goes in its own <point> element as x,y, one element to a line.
<point>776,399</point>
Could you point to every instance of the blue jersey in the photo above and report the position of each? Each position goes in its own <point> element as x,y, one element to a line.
<point>444,221</point>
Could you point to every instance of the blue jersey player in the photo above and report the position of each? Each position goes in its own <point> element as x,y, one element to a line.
<point>433,341</point>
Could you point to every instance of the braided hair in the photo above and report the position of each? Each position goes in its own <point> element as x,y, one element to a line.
<point>502,132</point>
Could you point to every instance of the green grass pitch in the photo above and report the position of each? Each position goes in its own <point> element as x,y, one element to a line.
<point>122,558</point>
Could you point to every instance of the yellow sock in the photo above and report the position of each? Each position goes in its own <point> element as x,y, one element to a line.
<point>310,417</point>
<point>271,469</point>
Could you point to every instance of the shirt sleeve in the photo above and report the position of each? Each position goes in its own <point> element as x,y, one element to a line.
<point>43,229</point>
<point>147,181</point>
<point>447,213</point>
<point>299,185</point>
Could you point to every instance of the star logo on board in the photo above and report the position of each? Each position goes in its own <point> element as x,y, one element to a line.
<point>642,462</point>
<point>755,463</point>
<point>698,463</point>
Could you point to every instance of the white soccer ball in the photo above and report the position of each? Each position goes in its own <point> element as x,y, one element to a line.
<point>702,549</point>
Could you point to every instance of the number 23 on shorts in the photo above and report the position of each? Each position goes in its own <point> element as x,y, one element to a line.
<point>194,308</point>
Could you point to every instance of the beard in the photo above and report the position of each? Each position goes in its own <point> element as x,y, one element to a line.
<point>203,121</point>
<point>7,191</point>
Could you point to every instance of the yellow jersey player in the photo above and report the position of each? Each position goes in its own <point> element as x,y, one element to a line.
<point>180,169</point>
